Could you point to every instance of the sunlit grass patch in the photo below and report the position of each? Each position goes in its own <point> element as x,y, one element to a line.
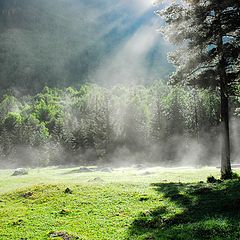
<point>52,203</point>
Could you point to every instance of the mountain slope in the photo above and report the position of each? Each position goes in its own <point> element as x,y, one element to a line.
<point>61,43</point>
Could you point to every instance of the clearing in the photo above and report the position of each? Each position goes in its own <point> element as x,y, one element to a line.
<point>126,203</point>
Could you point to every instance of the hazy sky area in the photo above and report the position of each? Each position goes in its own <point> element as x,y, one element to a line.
<point>68,42</point>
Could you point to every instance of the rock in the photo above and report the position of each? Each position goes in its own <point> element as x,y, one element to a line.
<point>27,194</point>
<point>106,169</point>
<point>212,179</point>
<point>64,212</point>
<point>68,191</point>
<point>141,199</point>
<point>18,222</point>
<point>146,173</point>
<point>139,166</point>
<point>97,179</point>
<point>63,235</point>
<point>20,172</point>
<point>84,169</point>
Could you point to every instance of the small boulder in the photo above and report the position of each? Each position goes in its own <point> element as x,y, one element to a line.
<point>63,235</point>
<point>97,179</point>
<point>68,191</point>
<point>20,172</point>
<point>106,169</point>
<point>139,166</point>
<point>27,194</point>
<point>212,179</point>
<point>64,212</point>
<point>146,173</point>
<point>18,222</point>
<point>143,198</point>
<point>84,169</point>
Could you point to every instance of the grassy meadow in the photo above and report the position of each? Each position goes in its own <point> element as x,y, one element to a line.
<point>127,203</point>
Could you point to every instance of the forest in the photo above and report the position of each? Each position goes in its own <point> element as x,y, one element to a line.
<point>157,124</point>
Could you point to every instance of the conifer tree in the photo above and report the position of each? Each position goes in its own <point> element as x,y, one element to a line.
<point>207,33</point>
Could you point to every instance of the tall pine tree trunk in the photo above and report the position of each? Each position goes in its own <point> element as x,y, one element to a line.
<point>226,171</point>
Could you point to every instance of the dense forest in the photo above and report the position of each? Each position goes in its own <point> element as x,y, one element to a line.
<point>159,124</point>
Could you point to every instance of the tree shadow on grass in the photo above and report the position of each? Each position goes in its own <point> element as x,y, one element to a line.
<point>191,211</point>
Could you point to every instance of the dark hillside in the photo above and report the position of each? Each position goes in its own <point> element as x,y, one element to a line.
<point>62,43</point>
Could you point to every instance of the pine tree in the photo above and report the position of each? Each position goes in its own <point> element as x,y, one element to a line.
<point>207,33</point>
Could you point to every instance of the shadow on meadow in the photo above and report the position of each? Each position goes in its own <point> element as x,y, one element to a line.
<point>191,211</point>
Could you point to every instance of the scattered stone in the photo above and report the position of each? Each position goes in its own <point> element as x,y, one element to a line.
<point>63,235</point>
<point>106,169</point>
<point>139,166</point>
<point>18,222</point>
<point>146,173</point>
<point>97,179</point>
<point>64,211</point>
<point>20,172</point>
<point>212,179</point>
<point>84,169</point>
<point>27,194</point>
<point>141,199</point>
<point>68,191</point>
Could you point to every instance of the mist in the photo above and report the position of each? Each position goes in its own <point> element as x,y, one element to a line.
<point>84,82</point>
<point>117,126</point>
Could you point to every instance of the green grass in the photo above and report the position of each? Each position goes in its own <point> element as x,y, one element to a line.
<point>125,204</point>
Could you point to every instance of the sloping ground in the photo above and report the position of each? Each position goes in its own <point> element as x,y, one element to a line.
<point>91,211</point>
<point>105,206</point>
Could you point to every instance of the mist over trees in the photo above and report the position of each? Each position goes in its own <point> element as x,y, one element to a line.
<point>159,124</point>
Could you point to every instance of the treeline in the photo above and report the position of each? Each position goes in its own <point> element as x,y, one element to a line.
<point>93,125</point>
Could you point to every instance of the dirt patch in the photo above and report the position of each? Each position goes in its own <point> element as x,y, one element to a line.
<point>63,235</point>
